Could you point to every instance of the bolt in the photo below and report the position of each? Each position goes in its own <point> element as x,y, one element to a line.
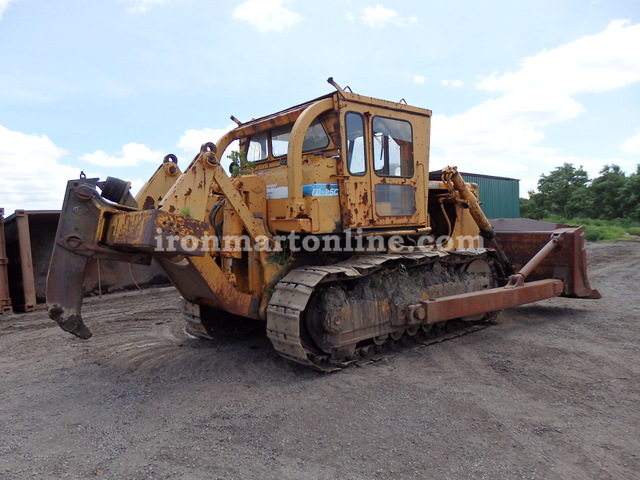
<point>209,158</point>
<point>84,192</point>
<point>73,241</point>
<point>417,312</point>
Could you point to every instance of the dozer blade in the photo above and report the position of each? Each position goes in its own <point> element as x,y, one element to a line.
<point>65,291</point>
<point>522,238</point>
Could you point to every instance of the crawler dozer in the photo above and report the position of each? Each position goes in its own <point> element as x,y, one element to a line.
<point>330,228</point>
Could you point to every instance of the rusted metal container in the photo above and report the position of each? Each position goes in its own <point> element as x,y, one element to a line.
<point>106,276</point>
<point>30,236</point>
<point>5,299</point>
<point>22,287</point>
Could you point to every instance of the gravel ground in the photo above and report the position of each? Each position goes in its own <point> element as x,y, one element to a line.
<point>550,391</point>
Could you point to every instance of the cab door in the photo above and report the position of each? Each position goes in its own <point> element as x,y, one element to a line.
<point>354,180</point>
<point>397,175</point>
<point>382,183</point>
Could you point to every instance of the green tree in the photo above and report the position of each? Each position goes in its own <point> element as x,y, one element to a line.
<point>630,196</point>
<point>532,207</point>
<point>607,191</point>
<point>580,203</point>
<point>239,163</point>
<point>563,192</point>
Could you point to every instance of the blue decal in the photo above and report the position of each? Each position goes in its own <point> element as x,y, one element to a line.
<point>320,190</point>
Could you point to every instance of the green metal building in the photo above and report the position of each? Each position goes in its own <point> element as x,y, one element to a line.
<point>500,196</point>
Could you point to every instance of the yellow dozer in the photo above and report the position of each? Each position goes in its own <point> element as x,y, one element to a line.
<point>330,229</point>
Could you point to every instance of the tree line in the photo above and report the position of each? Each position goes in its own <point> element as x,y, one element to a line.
<point>568,192</point>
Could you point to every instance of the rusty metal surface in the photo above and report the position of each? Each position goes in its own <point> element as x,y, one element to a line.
<point>346,323</point>
<point>78,238</point>
<point>567,262</point>
<point>65,291</point>
<point>42,227</point>
<point>5,298</point>
<point>461,189</point>
<point>22,286</point>
<point>32,238</point>
<point>91,229</point>
<point>284,313</point>
<point>204,201</point>
<point>156,231</point>
<point>201,280</point>
<point>360,202</point>
<point>462,305</point>
<point>290,301</point>
<point>524,225</point>
<point>107,276</point>
<point>152,192</point>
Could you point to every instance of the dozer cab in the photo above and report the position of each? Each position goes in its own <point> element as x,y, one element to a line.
<point>331,230</point>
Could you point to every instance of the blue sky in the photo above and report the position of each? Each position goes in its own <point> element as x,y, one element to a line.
<point>111,86</point>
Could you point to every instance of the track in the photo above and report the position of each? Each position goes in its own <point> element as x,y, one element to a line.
<point>305,290</point>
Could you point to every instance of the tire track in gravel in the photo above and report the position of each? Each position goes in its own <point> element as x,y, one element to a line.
<point>152,342</point>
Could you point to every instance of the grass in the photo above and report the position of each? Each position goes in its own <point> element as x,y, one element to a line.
<point>186,212</point>
<point>602,230</point>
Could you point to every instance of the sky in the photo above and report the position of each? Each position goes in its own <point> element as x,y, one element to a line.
<point>109,87</point>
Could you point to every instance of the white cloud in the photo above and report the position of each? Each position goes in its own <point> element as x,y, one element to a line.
<point>130,155</point>
<point>453,83</point>
<point>503,135</point>
<point>266,15</point>
<point>632,145</point>
<point>351,17</point>
<point>191,140</point>
<point>591,64</point>
<point>419,79</point>
<point>32,176</point>
<point>379,17</point>
<point>4,4</point>
<point>141,6</point>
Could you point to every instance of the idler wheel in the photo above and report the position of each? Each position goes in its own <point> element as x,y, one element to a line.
<point>380,339</point>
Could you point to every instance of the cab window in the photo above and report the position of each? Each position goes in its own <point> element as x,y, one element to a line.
<point>395,200</point>
<point>314,139</point>
<point>392,147</point>
<point>356,158</point>
<point>257,148</point>
<point>280,140</point>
